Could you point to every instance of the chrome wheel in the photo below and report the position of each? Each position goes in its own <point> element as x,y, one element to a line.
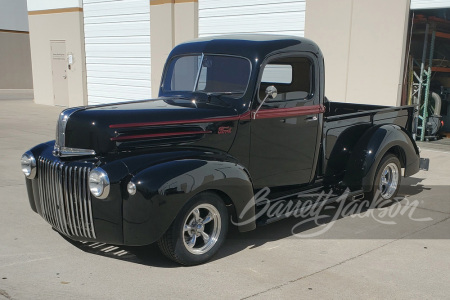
<point>201,229</point>
<point>389,181</point>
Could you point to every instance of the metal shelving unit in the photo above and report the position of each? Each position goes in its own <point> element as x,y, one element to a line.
<point>421,81</point>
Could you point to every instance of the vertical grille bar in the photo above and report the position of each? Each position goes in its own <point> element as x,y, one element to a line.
<point>75,200</point>
<point>61,206</point>
<point>65,198</point>
<point>48,193</point>
<point>80,200</point>
<point>72,210</point>
<point>67,210</point>
<point>41,185</point>
<point>55,196</point>
<point>45,194</point>
<point>53,188</point>
<point>91,219</point>
<point>85,204</point>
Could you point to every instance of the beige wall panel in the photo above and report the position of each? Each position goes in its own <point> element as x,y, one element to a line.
<point>172,23</point>
<point>67,26</point>
<point>328,23</point>
<point>377,51</point>
<point>15,61</point>
<point>363,42</point>
<point>162,40</point>
<point>186,22</point>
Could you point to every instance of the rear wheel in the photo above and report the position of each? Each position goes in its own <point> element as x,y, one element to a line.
<point>387,179</point>
<point>198,231</point>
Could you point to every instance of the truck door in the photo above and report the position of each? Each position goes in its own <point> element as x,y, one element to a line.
<point>285,131</point>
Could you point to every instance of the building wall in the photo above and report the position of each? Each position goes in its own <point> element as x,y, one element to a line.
<point>363,41</point>
<point>173,22</point>
<point>41,5</point>
<point>429,4</point>
<point>57,21</point>
<point>364,44</point>
<point>13,15</point>
<point>15,60</point>
<point>285,17</point>
<point>118,50</point>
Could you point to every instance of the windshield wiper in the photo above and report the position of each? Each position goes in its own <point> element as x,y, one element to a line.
<point>219,94</point>
<point>224,93</point>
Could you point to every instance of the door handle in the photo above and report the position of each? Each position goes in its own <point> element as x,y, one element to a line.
<point>64,76</point>
<point>310,119</point>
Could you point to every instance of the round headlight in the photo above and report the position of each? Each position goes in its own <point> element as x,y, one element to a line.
<point>99,183</point>
<point>28,163</point>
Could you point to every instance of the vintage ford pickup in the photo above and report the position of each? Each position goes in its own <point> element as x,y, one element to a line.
<point>235,115</point>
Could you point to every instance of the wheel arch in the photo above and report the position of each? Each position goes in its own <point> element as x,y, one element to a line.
<point>372,147</point>
<point>400,153</point>
<point>226,200</point>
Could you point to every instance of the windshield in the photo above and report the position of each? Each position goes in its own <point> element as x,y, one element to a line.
<point>208,74</point>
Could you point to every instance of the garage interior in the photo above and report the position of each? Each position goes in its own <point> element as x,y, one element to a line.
<point>427,76</point>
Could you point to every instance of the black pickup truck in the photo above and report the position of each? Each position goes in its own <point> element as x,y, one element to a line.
<point>235,115</point>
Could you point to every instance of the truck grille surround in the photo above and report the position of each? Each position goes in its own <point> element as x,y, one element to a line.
<point>65,198</point>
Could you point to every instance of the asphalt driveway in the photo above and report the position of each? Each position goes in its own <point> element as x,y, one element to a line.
<point>400,251</point>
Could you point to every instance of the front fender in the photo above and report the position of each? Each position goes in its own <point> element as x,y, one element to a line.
<point>373,145</point>
<point>163,189</point>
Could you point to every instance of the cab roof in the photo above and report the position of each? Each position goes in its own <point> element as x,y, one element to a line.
<point>251,46</point>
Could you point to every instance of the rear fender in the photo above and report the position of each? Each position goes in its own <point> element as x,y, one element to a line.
<point>373,145</point>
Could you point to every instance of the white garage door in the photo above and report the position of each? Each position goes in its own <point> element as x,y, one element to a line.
<point>427,4</point>
<point>251,16</point>
<point>117,41</point>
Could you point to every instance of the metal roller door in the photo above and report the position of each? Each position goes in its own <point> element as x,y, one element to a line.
<point>429,4</point>
<point>117,42</point>
<point>251,16</point>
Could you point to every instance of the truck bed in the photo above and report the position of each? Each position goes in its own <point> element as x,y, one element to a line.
<point>338,114</point>
<point>345,123</point>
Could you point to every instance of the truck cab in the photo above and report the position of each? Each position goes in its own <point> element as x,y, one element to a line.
<point>283,136</point>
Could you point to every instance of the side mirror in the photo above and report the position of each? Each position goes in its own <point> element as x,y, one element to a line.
<point>271,92</point>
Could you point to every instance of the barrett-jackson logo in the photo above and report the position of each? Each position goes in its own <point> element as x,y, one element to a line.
<point>224,130</point>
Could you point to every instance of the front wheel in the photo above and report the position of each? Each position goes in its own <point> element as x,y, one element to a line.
<point>387,178</point>
<point>198,231</point>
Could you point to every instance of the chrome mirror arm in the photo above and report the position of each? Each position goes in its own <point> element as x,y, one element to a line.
<point>271,91</point>
<point>259,107</point>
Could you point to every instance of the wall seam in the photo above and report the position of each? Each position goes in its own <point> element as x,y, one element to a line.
<point>349,50</point>
<point>403,61</point>
<point>172,11</point>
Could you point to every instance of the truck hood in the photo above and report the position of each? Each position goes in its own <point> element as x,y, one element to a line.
<point>153,123</point>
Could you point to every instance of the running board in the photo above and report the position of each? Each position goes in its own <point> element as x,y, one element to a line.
<point>354,196</point>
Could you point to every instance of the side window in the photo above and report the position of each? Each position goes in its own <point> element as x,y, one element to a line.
<point>277,74</point>
<point>292,76</point>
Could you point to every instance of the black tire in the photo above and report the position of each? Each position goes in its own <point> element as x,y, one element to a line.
<point>174,243</point>
<point>380,191</point>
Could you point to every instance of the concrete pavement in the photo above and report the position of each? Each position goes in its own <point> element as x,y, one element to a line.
<point>376,253</point>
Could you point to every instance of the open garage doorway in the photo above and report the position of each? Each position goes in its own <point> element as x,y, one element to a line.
<point>427,74</point>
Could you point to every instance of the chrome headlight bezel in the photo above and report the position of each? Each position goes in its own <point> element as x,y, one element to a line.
<point>99,184</point>
<point>28,164</point>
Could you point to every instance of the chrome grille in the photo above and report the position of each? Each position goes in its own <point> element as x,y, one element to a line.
<point>65,197</point>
